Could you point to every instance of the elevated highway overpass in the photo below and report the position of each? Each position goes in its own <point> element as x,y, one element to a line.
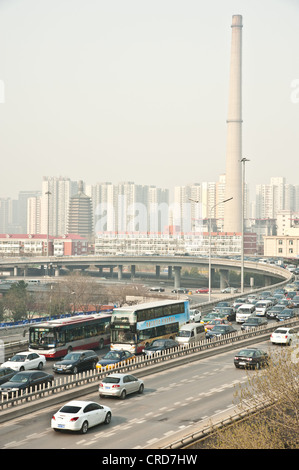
<point>174,264</point>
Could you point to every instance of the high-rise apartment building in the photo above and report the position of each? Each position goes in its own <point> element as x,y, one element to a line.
<point>55,198</point>
<point>33,215</point>
<point>127,207</point>
<point>275,197</point>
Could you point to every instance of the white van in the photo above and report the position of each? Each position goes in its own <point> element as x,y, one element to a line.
<point>191,333</point>
<point>244,312</point>
<point>262,307</point>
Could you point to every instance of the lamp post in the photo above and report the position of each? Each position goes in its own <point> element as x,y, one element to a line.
<point>243,161</point>
<point>48,193</point>
<point>210,216</point>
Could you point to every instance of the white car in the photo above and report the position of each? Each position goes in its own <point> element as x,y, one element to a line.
<point>120,385</point>
<point>25,361</point>
<point>284,336</point>
<point>229,290</point>
<point>195,315</point>
<point>79,415</point>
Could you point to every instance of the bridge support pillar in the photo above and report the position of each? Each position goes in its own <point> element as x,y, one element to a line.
<point>223,278</point>
<point>157,272</point>
<point>57,271</point>
<point>133,270</point>
<point>177,277</point>
<point>268,280</point>
<point>15,271</point>
<point>212,278</point>
<point>119,272</point>
<point>169,272</point>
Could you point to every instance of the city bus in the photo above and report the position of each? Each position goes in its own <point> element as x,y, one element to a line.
<point>56,338</point>
<point>134,327</point>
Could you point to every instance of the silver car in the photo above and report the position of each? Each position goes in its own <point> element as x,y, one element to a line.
<point>120,385</point>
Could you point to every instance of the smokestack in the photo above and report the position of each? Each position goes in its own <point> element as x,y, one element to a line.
<point>233,178</point>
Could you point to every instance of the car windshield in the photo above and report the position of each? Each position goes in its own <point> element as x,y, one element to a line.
<point>219,329</point>
<point>157,343</point>
<point>20,378</point>
<point>246,352</point>
<point>253,320</point>
<point>72,356</point>
<point>112,355</point>
<point>111,380</point>
<point>281,331</point>
<point>184,334</point>
<point>70,409</point>
<point>18,358</point>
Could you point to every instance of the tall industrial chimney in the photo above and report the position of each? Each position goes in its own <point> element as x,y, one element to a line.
<point>233,178</point>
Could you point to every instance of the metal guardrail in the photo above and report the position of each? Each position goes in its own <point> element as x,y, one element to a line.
<point>141,364</point>
<point>189,440</point>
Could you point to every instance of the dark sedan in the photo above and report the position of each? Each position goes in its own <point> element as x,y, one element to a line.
<point>76,361</point>
<point>286,314</point>
<point>251,358</point>
<point>295,301</point>
<point>160,345</point>
<point>6,373</point>
<point>274,311</point>
<point>26,381</point>
<point>228,313</point>
<point>220,330</point>
<point>114,358</point>
<point>253,322</point>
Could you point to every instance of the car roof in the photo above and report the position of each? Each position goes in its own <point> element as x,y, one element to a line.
<point>117,375</point>
<point>118,351</point>
<point>80,403</point>
<point>82,351</point>
<point>29,372</point>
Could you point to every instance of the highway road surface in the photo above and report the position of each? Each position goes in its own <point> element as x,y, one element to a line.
<point>173,403</point>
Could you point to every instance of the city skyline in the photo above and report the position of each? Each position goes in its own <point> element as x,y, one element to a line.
<point>128,206</point>
<point>137,92</point>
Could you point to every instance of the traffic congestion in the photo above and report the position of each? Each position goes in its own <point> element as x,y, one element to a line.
<point>23,372</point>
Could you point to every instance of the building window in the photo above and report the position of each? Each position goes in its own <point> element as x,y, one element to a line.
<point>279,250</point>
<point>290,250</point>
<point>279,242</point>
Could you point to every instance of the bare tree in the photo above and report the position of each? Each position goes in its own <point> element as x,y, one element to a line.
<point>277,425</point>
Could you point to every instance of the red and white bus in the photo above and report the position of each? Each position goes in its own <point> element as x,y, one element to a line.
<point>55,338</point>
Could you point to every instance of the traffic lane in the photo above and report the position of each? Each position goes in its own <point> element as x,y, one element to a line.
<point>49,363</point>
<point>174,400</point>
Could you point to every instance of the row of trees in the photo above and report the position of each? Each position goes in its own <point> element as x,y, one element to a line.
<point>74,292</point>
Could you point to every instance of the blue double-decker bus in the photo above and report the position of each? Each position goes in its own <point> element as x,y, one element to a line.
<point>134,327</point>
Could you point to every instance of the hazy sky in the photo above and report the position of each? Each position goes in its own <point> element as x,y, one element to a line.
<point>137,90</point>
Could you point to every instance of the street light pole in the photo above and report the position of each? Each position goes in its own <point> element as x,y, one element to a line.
<point>48,193</point>
<point>210,216</point>
<point>243,161</point>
